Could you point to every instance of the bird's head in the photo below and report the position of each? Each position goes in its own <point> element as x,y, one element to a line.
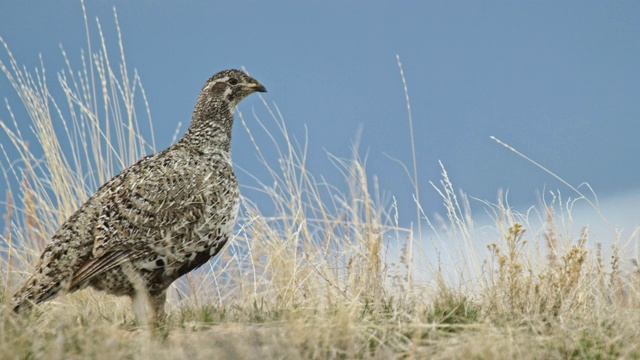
<point>232,85</point>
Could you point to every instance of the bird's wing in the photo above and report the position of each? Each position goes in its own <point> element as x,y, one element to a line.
<point>144,206</point>
<point>157,194</point>
<point>97,266</point>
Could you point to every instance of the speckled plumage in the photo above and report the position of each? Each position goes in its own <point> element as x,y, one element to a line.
<point>158,219</point>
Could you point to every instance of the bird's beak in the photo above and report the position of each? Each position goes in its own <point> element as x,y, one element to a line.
<point>260,88</point>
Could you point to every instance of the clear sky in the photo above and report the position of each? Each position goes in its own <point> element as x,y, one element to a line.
<point>560,81</point>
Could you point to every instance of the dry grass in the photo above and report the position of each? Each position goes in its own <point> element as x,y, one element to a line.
<point>327,274</point>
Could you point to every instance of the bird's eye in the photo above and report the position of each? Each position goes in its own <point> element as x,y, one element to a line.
<point>233,81</point>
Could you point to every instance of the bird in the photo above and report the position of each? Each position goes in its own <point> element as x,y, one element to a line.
<point>158,219</point>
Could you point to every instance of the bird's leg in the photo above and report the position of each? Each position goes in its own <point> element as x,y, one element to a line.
<point>157,301</point>
<point>140,297</point>
<point>149,309</point>
<point>140,305</point>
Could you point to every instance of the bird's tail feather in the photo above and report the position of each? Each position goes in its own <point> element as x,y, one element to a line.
<point>32,292</point>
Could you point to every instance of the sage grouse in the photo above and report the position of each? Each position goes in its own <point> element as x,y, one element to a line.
<point>158,219</point>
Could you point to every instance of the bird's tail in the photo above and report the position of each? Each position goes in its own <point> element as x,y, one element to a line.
<point>33,292</point>
<point>23,300</point>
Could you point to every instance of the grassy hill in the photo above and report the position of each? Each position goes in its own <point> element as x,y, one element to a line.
<point>325,274</point>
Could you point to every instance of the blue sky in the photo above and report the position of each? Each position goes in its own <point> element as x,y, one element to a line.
<point>557,80</point>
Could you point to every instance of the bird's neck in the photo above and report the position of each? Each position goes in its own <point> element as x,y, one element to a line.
<point>210,128</point>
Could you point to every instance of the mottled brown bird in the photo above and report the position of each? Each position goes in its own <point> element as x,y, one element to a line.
<point>158,219</point>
